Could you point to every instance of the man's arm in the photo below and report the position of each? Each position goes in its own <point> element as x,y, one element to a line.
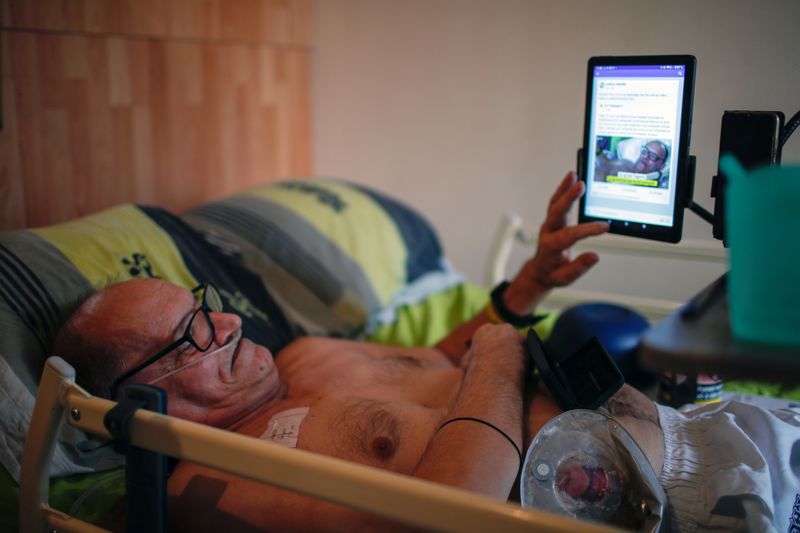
<point>473,455</point>
<point>550,267</point>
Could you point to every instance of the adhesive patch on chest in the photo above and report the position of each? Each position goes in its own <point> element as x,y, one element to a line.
<point>284,427</point>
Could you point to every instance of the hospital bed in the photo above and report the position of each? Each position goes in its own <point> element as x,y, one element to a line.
<point>382,297</point>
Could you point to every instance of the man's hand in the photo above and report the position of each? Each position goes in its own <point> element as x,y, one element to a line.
<point>552,265</point>
<point>499,350</point>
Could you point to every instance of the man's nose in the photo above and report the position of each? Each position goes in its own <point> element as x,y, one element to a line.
<point>225,325</point>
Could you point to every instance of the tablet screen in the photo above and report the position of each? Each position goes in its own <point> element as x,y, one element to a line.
<point>635,144</point>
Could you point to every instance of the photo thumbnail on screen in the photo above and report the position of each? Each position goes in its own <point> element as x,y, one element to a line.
<point>637,161</point>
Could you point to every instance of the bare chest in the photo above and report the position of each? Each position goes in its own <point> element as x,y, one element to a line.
<point>386,373</point>
<point>378,408</point>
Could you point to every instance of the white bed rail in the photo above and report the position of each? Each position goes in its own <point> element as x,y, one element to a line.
<point>394,496</point>
<point>512,231</point>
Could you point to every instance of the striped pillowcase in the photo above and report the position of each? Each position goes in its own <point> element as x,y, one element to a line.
<point>339,258</point>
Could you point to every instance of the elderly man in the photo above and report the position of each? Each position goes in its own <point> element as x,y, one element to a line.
<point>380,405</point>
<point>457,414</point>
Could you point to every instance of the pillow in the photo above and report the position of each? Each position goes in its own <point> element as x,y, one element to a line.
<point>47,272</point>
<point>339,258</point>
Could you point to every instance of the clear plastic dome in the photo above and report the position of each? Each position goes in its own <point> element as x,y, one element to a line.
<point>583,464</point>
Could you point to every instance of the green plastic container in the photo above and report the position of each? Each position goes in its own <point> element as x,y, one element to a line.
<point>763,228</point>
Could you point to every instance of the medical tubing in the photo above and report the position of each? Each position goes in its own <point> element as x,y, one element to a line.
<point>92,489</point>
<point>485,423</point>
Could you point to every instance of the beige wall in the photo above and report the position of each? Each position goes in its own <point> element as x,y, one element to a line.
<point>467,108</point>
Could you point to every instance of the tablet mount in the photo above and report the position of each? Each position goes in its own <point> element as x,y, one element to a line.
<point>690,204</point>
<point>718,183</point>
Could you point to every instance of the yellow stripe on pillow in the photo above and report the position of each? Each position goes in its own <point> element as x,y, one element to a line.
<point>118,244</point>
<point>336,210</point>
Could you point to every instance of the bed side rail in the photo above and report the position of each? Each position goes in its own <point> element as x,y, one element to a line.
<point>394,496</point>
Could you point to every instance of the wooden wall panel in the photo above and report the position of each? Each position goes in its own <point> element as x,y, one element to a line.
<point>175,109</point>
<point>12,210</point>
<point>264,21</point>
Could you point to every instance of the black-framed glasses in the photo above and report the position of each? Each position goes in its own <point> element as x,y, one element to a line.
<point>199,333</point>
<point>651,155</point>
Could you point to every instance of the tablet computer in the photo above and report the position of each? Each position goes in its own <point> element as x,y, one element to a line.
<point>635,157</point>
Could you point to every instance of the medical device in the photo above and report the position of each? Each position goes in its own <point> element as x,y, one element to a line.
<point>585,465</point>
<point>635,158</point>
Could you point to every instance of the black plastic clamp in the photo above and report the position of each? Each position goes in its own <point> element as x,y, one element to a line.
<point>117,422</point>
<point>145,471</point>
<point>585,379</point>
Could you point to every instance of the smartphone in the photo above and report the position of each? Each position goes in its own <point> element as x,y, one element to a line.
<point>754,138</point>
<point>635,156</point>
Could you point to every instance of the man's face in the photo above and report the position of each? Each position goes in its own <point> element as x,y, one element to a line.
<point>651,158</point>
<point>219,389</point>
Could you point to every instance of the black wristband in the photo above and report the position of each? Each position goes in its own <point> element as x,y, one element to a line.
<point>518,321</point>
<point>488,424</point>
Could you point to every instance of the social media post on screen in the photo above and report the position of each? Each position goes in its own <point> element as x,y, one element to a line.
<point>635,125</point>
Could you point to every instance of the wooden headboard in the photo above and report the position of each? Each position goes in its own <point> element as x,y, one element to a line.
<point>169,102</point>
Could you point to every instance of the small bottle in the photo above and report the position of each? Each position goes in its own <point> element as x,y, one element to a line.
<point>676,390</point>
<point>709,388</point>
